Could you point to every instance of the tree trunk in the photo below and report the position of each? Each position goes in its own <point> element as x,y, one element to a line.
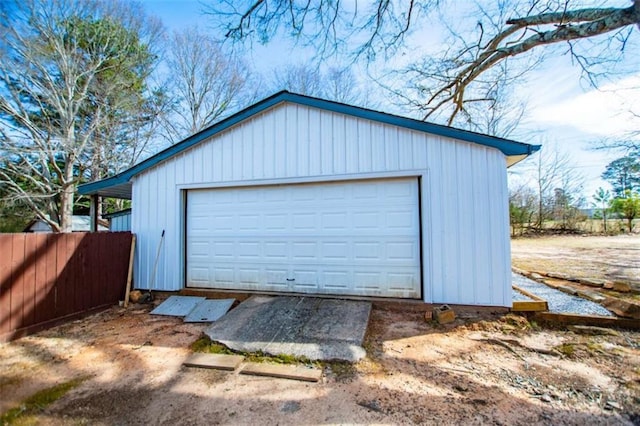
<point>66,198</point>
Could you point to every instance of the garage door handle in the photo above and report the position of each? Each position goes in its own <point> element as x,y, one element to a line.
<point>291,279</point>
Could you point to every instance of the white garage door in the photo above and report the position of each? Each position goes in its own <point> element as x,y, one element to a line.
<point>347,238</point>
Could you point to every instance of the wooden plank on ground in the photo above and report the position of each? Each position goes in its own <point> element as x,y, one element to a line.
<point>130,271</point>
<point>630,324</point>
<point>215,361</point>
<point>529,306</point>
<point>282,371</point>
<point>536,304</point>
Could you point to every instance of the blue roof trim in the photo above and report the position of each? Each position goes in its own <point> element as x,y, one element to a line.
<point>508,147</point>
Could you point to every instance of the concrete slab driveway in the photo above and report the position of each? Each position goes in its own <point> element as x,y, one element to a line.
<point>318,329</point>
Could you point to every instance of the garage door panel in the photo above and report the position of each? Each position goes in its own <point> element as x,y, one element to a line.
<point>333,221</point>
<point>248,250</point>
<point>305,278</point>
<point>276,251</point>
<point>365,191</point>
<point>224,250</point>
<point>223,275</point>
<point>220,223</point>
<point>399,220</point>
<point>200,275</point>
<point>249,276</point>
<point>275,221</point>
<point>277,277</point>
<point>367,251</point>
<point>249,222</point>
<point>366,220</point>
<point>304,251</point>
<point>337,280</point>
<point>402,251</point>
<point>346,238</point>
<point>334,250</point>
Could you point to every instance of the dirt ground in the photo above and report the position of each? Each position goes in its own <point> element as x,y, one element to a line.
<point>613,258</point>
<point>482,369</point>
<point>485,368</point>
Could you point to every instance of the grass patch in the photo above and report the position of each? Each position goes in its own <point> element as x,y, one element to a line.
<point>206,345</point>
<point>36,403</point>
<point>594,347</point>
<point>566,349</point>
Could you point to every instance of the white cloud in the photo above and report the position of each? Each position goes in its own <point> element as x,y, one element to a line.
<point>604,112</point>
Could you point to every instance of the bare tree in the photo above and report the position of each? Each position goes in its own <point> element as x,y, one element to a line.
<point>463,74</point>
<point>557,184</point>
<point>209,83</point>
<point>336,84</point>
<point>327,25</point>
<point>70,72</point>
<point>629,143</point>
<point>522,208</point>
<point>303,78</point>
<point>458,77</point>
<point>342,85</point>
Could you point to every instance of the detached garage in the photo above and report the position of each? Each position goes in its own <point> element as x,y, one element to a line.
<point>300,195</point>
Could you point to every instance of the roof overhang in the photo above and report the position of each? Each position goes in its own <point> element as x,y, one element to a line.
<point>119,186</point>
<point>110,188</point>
<point>514,159</point>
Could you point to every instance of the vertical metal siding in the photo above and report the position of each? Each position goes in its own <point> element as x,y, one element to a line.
<point>465,216</point>
<point>120,223</point>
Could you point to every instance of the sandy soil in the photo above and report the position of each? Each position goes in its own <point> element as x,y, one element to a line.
<point>481,369</point>
<point>610,258</point>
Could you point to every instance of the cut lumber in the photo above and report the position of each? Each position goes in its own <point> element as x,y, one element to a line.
<point>295,372</point>
<point>567,319</point>
<point>215,361</point>
<point>529,306</point>
<point>536,304</point>
<point>130,272</point>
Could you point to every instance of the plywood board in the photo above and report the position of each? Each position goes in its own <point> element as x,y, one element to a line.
<point>214,361</point>
<point>209,310</point>
<point>177,306</point>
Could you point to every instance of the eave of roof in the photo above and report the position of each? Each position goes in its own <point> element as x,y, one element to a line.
<point>119,186</point>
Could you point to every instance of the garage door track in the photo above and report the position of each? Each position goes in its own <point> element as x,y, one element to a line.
<point>315,328</point>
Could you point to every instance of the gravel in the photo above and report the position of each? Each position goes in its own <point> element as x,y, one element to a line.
<point>558,301</point>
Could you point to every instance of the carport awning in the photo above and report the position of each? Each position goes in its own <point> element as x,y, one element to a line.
<point>116,190</point>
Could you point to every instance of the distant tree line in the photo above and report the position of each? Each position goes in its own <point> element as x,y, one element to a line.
<point>624,202</point>
<point>553,202</point>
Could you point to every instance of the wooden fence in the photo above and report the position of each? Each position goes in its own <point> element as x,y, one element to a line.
<point>48,278</point>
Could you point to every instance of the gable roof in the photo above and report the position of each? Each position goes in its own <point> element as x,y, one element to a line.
<point>119,186</point>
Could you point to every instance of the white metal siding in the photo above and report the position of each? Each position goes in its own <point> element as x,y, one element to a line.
<point>466,254</point>
<point>359,238</point>
<point>120,223</point>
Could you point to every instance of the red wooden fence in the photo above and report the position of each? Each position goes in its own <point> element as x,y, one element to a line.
<point>46,278</point>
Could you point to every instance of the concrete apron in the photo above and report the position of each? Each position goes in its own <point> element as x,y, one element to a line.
<point>315,328</point>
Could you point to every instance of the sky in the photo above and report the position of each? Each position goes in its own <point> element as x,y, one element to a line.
<point>562,112</point>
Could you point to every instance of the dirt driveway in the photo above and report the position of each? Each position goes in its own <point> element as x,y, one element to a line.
<point>611,258</point>
<point>481,369</point>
